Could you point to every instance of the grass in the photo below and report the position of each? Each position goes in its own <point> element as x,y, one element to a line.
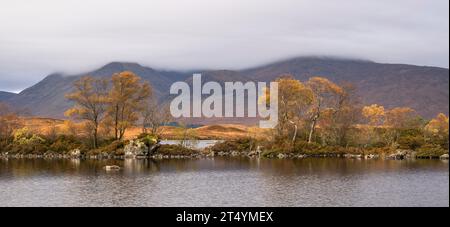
<point>46,126</point>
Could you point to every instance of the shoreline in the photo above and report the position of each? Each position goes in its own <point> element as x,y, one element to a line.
<point>399,155</point>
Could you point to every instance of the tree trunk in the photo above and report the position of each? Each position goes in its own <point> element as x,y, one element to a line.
<point>314,121</point>
<point>121,133</point>
<point>313,128</point>
<point>116,123</point>
<point>95,136</point>
<point>295,132</point>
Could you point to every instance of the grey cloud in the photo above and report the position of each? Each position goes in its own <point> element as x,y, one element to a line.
<point>40,37</point>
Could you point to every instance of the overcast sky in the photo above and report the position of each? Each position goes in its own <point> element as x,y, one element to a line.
<point>73,36</point>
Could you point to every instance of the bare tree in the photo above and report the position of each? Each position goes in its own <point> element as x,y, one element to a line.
<point>154,116</point>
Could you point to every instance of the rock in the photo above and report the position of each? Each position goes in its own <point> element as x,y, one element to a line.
<point>252,153</point>
<point>50,154</point>
<point>300,156</point>
<point>398,155</point>
<point>135,148</point>
<point>371,156</point>
<point>402,154</point>
<point>157,156</point>
<point>235,153</point>
<point>357,156</point>
<point>112,167</point>
<point>75,153</point>
<point>281,156</point>
<point>394,156</point>
<point>444,156</point>
<point>210,154</point>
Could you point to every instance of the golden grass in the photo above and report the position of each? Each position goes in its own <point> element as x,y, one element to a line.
<point>47,126</point>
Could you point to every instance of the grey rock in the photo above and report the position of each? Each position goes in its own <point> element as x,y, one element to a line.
<point>75,153</point>
<point>111,168</point>
<point>281,156</point>
<point>135,148</point>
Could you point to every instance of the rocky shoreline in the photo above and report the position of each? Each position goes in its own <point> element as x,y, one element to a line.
<point>76,154</point>
<point>152,149</point>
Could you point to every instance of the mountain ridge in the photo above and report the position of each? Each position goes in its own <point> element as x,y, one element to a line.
<point>424,88</point>
<point>4,95</point>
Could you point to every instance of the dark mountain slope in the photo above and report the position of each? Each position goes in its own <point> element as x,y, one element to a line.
<point>5,96</point>
<point>46,98</point>
<point>422,88</point>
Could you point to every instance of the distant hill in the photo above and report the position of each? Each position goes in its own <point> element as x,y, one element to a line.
<point>426,89</point>
<point>423,88</point>
<point>5,96</point>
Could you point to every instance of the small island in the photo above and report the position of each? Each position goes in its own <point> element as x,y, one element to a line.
<point>119,117</point>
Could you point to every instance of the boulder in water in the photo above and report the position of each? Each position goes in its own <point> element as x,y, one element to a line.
<point>112,167</point>
<point>135,148</point>
<point>75,153</point>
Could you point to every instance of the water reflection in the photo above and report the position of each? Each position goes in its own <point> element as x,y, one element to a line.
<point>224,182</point>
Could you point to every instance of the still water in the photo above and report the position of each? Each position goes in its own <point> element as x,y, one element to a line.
<point>224,182</point>
<point>193,144</point>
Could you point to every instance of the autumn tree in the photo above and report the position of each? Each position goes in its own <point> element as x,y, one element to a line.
<point>154,115</point>
<point>336,122</point>
<point>438,125</point>
<point>91,98</point>
<point>374,114</point>
<point>128,96</point>
<point>437,128</point>
<point>294,99</point>
<point>325,95</point>
<point>400,119</point>
<point>9,121</point>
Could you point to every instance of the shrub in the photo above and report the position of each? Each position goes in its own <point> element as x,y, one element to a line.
<point>148,139</point>
<point>305,147</point>
<point>234,145</point>
<point>167,149</point>
<point>64,143</point>
<point>431,151</point>
<point>115,147</point>
<point>269,153</point>
<point>411,142</point>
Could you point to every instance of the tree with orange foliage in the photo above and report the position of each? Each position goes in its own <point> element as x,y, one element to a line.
<point>374,113</point>
<point>399,120</point>
<point>325,95</point>
<point>337,122</point>
<point>128,96</point>
<point>438,125</point>
<point>402,118</point>
<point>91,98</point>
<point>294,99</point>
<point>9,121</point>
<point>438,129</point>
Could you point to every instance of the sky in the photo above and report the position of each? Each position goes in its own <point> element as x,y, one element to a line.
<point>72,36</point>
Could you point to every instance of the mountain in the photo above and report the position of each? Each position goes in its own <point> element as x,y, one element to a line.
<point>46,98</point>
<point>5,96</point>
<point>423,88</point>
